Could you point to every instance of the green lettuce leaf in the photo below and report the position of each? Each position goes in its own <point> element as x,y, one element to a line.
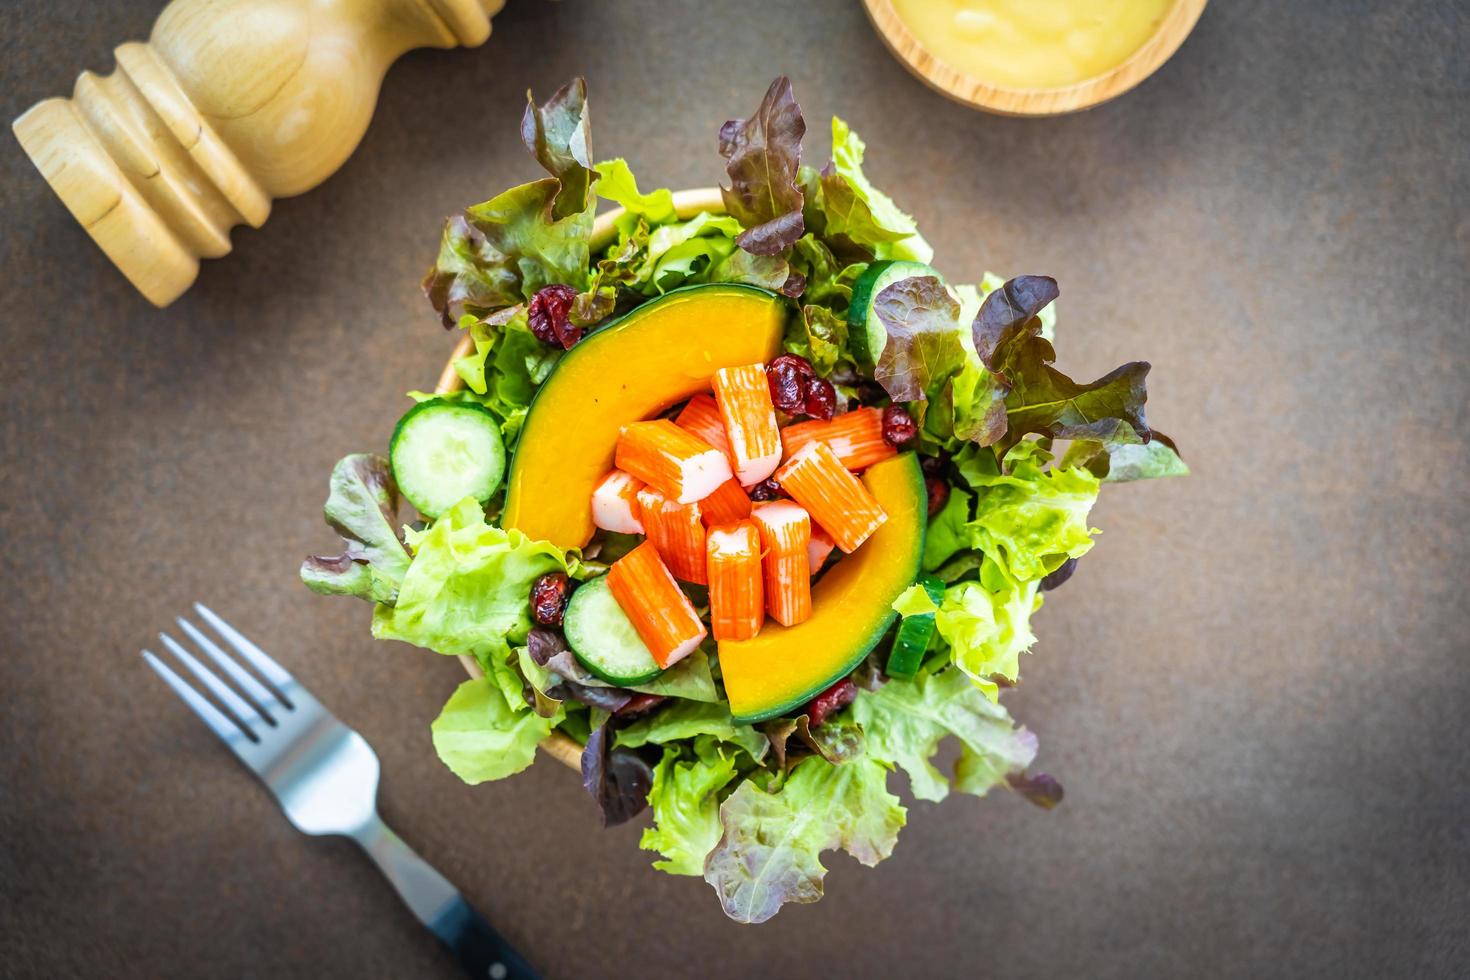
<point>651,260</point>
<point>948,532</point>
<point>854,209</point>
<point>541,681</point>
<point>1127,463</point>
<point>466,590</point>
<point>686,806</point>
<point>923,348</point>
<point>771,272</point>
<point>617,184</point>
<point>828,280</point>
<point>479,737</point>
<point>906,720</point>
<point>1030,519</point>
<point>1007,334</point>
<point>987,624</point>
<point>501,252</point>
<point>978,403</point>
<point>656,252</point>
<point>686,251</point>
<point>769,851</point>
<point>762,155</point>
<point>688,719</point>
<point>972,406</point>
<point>1120,456</point>
<point>559,136</point>
<point>362,506</point>
<point>819,335</point>
<point>689,679</point>
<point>507,365</point>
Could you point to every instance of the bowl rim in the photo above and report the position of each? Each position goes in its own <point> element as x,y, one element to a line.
<point>687,203</point>
<point>965,89</point>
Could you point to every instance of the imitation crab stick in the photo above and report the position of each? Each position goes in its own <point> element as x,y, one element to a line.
<point>736,598</point>
<point>615,503</point>
<point>820,548</point>
<point>726,505</point>
<point>660,612</point>
<point>744,398</point>
<point>677,531</point>
<point>836,499</point>
<point>856,437</point>
<point>786,531</point>
<point>673,462</point>
<point>701,418</point>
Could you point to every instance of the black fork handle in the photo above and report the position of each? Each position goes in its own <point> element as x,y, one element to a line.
<point>481,950</point>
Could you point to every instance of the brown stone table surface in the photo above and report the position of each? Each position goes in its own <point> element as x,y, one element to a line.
<point>1254,689</point>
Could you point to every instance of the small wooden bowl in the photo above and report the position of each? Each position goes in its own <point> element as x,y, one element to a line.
<point>1171,32</point>
<point>687,204</point>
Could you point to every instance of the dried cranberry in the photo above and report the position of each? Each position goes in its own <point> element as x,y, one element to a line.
<point>938,488</point>
<point>821,399</point>
<point>934,465</point>
<point>549,598</point>
<point>830,701</point>
<point>550,316</point>
<point>899,427</point>
<point>802,365</point>
<point>788,387</point>
<point>767,489</point>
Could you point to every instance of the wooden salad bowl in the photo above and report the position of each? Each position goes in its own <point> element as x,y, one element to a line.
<point>1159,48</point>
<point>687,204</point>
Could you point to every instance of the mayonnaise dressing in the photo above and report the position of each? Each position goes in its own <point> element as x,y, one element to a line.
<point>1032,44</point>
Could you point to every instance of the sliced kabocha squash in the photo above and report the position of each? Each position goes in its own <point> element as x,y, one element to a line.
<point>783,667</point>
<point>659,354</point>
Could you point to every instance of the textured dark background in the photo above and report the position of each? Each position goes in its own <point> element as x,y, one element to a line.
<point>1254,689</point>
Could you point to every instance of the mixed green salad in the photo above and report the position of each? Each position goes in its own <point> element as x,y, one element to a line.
<point>1011,453</point>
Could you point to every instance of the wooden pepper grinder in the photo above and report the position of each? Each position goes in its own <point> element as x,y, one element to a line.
<point>230,103</point>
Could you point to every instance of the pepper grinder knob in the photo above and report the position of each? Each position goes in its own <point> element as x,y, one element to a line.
<point>229,104</point>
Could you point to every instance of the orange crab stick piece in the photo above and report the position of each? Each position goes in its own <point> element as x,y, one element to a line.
<point>726,505</point>
<point>856,437</point>
<point>673,462</point>
<point>744,398</point>
<point>736,599</point>
<point>820,548</point>
<point>701,419</point>
<point>659,610</point>
<point>615,503</point>
<point>786,531</point>
<point>677,531</point>
<point>836,500</point>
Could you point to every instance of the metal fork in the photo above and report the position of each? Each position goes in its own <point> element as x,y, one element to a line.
<point>325,776</point>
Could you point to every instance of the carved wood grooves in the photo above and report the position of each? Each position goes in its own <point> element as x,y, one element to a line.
<point>229,104</point>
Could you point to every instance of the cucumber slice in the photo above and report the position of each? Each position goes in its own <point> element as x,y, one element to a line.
<point>914,634</point>
<point>603,639</point>
<point>443,451</point>
<point>863,327</point>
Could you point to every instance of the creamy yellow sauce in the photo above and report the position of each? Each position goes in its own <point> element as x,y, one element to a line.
<point>1032,44</point>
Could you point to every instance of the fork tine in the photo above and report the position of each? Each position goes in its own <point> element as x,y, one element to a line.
<point>227,730</point>
<point>268,668</point>
<point>246,715</point>
<point>254,689</point>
